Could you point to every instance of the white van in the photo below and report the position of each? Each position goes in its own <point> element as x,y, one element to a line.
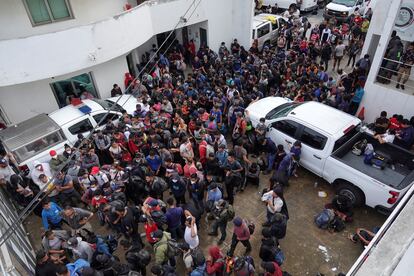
<point>265,28</point>
<point>343,9</point>
<point>32,139</point>
<point>303,5</point>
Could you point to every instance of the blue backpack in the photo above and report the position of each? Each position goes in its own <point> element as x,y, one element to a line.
<point>324,218</point>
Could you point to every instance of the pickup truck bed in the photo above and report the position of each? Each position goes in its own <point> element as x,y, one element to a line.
<point>395,174</point>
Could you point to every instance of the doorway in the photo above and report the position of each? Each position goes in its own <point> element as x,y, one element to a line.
<point>161,37</point>
<point>185,35</point>
<point>203,37</point>
<point>130,62</point>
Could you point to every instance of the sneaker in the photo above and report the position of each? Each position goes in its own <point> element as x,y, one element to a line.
<point>402,86</point>
<point>397,86</point>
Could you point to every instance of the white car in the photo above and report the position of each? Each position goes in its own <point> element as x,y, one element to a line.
<point>328,136</point>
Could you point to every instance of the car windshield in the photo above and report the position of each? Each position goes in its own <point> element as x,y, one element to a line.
<point>281,110</point>
<point>109,105</point>
<point>348,3</point>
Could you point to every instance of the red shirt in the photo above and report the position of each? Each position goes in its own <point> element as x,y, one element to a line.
<point>149,228</point>
<point>394,124</point>
<point>96,202</point>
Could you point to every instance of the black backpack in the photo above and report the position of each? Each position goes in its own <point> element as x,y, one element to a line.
<point>337,224</point>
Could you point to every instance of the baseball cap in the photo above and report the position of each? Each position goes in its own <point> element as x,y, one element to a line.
<point>52,153</point>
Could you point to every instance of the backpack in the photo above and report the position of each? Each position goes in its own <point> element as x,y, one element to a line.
<point>173,248</point>
<point>160,184</point>
<point>159,217</point>
<point>323,219</point>
<point>230,213</point>
<point>251,226</point>
<point>359,147</point>
<point>112,242</point>
<point>279,256</point>
<point>337,224</point>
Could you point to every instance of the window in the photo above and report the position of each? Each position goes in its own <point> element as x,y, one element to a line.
<point>286,126</point>
<point>81,127</point>
<point>313,139</point>
<point>275,26</point>
<point>111,116</point>
<point>264,30</point>
<point>81,86</point>
<point>281,110</point>
<point>253,34</point>
<point>48,11</point>
<point>25,152</point>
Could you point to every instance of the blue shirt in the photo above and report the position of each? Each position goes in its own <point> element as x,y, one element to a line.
<point>285,163</point>
<point>154,163</point>
<point>52,215</point>
<point>214,195</point>
<point>222,157</point>
<point>358,95</point>
<point>174,216</point>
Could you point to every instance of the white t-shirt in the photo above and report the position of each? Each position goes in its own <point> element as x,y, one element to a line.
<point>388,138</point>
<point>278,203</point>
<point>192,241</point>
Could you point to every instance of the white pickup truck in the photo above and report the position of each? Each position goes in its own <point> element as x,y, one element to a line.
<point>327,137</point>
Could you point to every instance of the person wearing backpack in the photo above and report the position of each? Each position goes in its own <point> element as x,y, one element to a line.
<point>178,188</point>
<point>241,233</point>
<point>222,212</point>
<point>156,185</point>
<point>161,248</point>
<point>215,264</point>
<point>278,226</point>
<point>268,247</point>
<point>244,266</point>
<point>271,269</point>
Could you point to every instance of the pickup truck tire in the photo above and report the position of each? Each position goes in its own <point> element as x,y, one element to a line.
<point>356,196</point>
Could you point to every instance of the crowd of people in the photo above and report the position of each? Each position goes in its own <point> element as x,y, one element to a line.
<point>184,154</point>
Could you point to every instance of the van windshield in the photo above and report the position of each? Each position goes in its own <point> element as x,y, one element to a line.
<point>348,3</point>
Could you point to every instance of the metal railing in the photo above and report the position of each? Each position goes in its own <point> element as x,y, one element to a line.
<point>391,67</point>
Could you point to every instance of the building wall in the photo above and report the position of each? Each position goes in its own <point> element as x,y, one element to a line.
<point>26,100</point>
<point>13,13</point>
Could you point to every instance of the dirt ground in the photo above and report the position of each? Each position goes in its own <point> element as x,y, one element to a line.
<point>308,250</point>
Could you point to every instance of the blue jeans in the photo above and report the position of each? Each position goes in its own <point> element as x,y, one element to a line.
<point>270,161</point>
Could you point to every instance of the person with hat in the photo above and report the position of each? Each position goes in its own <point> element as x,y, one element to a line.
<point>40,168</point>
<point>161,247</point>
<point>271,269</point>
<point>241,234</point>
<point>44,264</point>
<point>80,249</point>
<point>56,162</point>
<point>77,218</point>
<point>67,193</point>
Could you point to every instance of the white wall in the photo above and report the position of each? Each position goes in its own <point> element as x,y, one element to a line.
<point>13,13</point>
<point>23,101</point>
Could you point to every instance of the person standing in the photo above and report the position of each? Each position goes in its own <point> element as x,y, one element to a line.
<point>67,193</point>
<point>274,204</point>
<point>326,54</point>
<point>339,53</point>
<point>241,234</point>
<point>190,233</point>
<point>221,212</point>
<point>174,217</point>
<point>51,218</point>
<point>77,218</point>
<point>407,61</point>
<point>356,99</point>
<point>116,90</point>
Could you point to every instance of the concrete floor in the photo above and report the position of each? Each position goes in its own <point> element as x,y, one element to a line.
<point>308,249</point>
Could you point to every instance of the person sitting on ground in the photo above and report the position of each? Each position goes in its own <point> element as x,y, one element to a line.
<point>362,235</point>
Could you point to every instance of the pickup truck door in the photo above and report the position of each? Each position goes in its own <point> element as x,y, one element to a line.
<point>283,132</point>
<point>82,125</point>
<point>314,145</point>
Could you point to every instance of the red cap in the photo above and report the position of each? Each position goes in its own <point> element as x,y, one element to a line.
<point>94,170</point>
<point>52,153</point>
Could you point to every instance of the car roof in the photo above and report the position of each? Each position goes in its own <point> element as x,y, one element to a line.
<point>69,113</point>
<point>262,18</point>
<point>316,114</point>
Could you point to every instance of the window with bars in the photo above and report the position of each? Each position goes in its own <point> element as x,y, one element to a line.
<point>48,11</point>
